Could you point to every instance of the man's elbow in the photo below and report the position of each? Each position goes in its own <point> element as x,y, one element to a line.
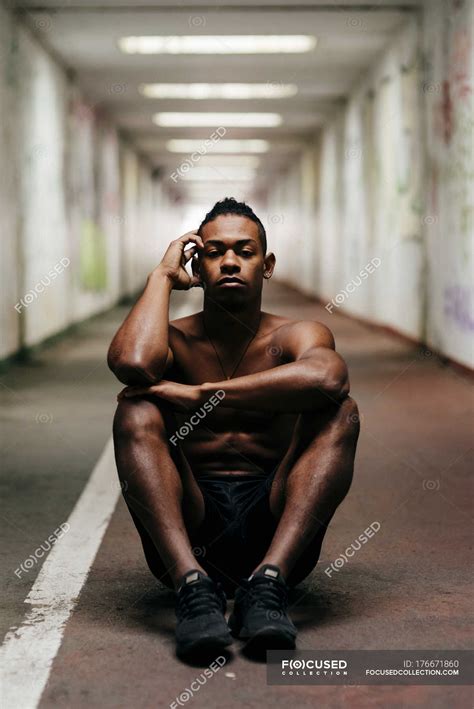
<point>337,380</point>
<point>131,373</point>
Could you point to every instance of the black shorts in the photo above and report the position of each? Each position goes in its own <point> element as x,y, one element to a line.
<point>235,533</point>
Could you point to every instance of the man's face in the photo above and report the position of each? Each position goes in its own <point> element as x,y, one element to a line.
<point>232,250</point>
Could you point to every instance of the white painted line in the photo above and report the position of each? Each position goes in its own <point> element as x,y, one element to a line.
<point>28,652</point>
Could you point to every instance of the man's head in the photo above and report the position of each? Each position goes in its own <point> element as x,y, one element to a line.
<point>229,205</point>
<point>235,246</point>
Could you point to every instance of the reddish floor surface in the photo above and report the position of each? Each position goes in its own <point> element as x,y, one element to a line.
<point>408,588</point>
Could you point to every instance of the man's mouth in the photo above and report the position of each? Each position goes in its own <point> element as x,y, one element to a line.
<point>230,281</point>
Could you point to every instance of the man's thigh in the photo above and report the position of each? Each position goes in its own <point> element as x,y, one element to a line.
<point>229,549</point>
<point>192,501</point>
<point>213,544</point>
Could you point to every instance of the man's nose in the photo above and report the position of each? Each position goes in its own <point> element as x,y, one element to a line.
<point>230,262</point>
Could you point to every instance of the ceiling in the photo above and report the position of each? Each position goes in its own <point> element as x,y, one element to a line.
<point>84,36</point>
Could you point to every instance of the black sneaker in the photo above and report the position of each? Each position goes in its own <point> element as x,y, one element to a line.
<point>200,607</point>
<point>259,614</point>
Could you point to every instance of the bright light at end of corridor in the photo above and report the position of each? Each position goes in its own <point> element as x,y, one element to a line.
<point>224,91</point>
<point>217,44</point>
<point>183,145</point>
<point>211,173</point>
<point>241,120</point>
<point>230,160</point>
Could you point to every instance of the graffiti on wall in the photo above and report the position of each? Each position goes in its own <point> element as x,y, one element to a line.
<point>92,257</point>
<point>458,307</point>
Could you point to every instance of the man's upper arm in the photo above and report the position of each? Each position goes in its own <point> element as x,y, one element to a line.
<point>303,338</point>
<point>312,340</point>
<point>175,337</point>
<point>169,360</point>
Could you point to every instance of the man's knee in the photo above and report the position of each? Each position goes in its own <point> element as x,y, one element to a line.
<point>342,418</point>
<point>348,418</point>
<point>137,418</point>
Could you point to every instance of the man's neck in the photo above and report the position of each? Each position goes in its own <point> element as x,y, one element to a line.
<point>231,327</point>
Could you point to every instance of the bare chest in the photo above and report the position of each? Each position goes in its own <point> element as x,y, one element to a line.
<point>223,433</point>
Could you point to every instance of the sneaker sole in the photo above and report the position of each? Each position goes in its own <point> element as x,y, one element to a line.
<point>268,639</point>
<point>205,645</point>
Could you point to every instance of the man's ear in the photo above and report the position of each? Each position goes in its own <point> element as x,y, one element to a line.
<point>196,266</point>
<point>269,264</point>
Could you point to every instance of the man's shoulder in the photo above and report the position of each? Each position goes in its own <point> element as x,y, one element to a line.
<point>294,329</point>
<point>185,326</point>
<point>294,333</point>
<point>278,327</point>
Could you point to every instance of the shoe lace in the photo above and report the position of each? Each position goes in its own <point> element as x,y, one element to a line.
<point>270,594</point>
<point>196,600</point>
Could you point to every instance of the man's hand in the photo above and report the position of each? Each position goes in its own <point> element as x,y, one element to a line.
<point>183,397</point>
<point>173,263</point>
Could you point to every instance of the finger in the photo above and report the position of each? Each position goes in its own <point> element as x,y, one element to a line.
<point>189,253</point>
<point>195,281</point>
<point>191,236</point>
<point>135,392</point>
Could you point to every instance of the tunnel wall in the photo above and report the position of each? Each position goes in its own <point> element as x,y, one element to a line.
<point>374,151</point>
<point>9,252</point>
<point>367,169</point>
<point>449,123</point>
<point>392,175</point>
<point>78,205</point>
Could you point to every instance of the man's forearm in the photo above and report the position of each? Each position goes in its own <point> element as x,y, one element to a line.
<point>296,387</point>
<point>139,349</point>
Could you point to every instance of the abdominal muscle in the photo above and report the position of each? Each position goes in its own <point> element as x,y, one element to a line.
<point>235,442</point>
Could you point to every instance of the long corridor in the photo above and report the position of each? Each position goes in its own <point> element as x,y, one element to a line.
<point>347,128</point>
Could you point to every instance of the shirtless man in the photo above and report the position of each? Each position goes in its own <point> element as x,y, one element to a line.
<point>234,438</point>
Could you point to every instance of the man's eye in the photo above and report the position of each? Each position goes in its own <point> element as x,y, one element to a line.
<point>212,253</point>
<point>247,253</point>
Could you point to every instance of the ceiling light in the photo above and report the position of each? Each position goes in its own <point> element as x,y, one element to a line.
<point>241,120</point>
<point>230,160</point>
<point>226,91</point>
<point>182,145</point>
<point>219,174</point>
<point>217,44</point>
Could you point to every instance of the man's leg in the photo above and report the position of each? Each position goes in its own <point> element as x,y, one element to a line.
<point>157,482</point>
<point>309,483</point>
<point>312,480</point>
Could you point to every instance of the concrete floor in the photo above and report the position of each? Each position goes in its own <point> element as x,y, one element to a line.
<point>408,588</point>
